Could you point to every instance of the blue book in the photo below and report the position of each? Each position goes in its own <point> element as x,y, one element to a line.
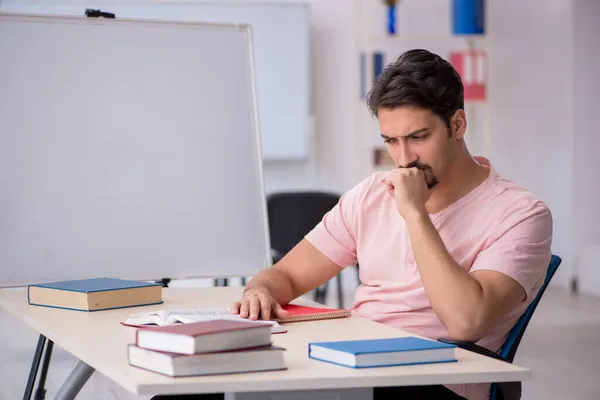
<point>94,294</point>
<point>382,352</point>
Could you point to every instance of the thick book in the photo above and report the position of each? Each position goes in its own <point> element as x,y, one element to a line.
<point>204,337</point>
<point>190,315</point>
<point>299,313</point>
<point>268,358</point>
<point>382,352</point>
<point>94,294</point>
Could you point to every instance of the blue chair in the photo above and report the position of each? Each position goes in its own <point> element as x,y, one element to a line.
<point>511,390</point>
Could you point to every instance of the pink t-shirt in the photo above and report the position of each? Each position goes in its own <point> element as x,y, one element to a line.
<point>497,226</point>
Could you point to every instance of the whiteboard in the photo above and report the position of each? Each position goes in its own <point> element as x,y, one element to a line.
<point>281,32</point>
<point>123,152</point>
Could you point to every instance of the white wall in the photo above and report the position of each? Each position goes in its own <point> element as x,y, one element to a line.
<point>531,100</point>
<point>586,17</point>
<point>334,67</point>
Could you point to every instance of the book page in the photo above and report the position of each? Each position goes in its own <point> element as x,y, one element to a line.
<point>158,317</point>
<point>188,316</point>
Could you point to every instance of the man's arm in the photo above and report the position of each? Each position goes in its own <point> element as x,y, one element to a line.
<point>470,302</point>
<point>320,256</point>
<point>467,304</point>
<point>303,269</point>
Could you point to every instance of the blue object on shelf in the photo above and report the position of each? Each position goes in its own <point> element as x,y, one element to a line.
<point>392,19</point>
<point>468,17</point>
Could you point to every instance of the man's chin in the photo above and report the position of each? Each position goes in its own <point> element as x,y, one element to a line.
<point>431,185</point>
<point>431,180</point>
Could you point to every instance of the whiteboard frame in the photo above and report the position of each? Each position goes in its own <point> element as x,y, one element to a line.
<point>247,30</point>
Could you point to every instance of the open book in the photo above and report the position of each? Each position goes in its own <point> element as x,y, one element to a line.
<point>187,316</point>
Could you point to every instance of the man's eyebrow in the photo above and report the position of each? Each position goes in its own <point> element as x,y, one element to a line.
<point>413,133</point>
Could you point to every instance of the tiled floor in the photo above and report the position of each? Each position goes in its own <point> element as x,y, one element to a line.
<point>561,346</point>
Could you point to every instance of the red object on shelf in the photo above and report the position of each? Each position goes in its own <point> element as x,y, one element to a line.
<point>471,65</point>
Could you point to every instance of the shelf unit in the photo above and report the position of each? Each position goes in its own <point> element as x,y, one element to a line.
<point>369,41</point>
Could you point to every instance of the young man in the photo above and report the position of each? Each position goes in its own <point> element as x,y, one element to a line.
<point>447,247</point>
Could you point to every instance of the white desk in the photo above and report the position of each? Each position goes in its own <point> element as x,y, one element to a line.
<point>100,342</point>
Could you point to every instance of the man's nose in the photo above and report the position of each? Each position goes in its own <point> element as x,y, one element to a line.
<point>405,157</point>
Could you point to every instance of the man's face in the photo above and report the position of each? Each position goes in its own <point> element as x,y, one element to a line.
<point>419,138</point>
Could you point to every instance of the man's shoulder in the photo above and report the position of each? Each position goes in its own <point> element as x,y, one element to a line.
<point>516,201</point>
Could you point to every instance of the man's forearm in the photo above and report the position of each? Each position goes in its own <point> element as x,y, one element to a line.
<point>274,281</point>
<point>455,296</point>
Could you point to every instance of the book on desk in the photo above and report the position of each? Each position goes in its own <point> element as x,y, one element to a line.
<point>204,337</point>
<point>190,315</point>
<point>206,348</point>
<point>299,313</point>
<point>94,294</point>
<point>382,352</point>
<point>268,358</point>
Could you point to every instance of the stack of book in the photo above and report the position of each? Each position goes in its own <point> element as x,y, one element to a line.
<point>206,348</point>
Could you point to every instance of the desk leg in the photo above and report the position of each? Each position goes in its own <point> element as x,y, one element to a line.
<point>75,381</point>
<point>40,393</point>
<point>35,364</point>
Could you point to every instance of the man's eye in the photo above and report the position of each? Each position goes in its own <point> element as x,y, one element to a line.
<point>419,137</point>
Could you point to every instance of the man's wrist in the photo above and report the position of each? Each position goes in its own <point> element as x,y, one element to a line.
<point>257,289</point>
<point>416,217</point>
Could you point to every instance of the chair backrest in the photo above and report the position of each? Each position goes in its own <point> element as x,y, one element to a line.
<point>292,215</point>
<point>509,349</point>
<point>512,390</point>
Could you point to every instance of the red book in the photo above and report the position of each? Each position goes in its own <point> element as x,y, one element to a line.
<point>204,337</point>
<point>304,313</point>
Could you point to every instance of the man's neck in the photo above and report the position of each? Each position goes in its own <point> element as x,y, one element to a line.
<point>464,175</point>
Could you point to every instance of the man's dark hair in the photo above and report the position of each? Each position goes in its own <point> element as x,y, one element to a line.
<point>418,78</point>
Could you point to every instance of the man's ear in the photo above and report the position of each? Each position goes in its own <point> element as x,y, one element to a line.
<point>458,124</point>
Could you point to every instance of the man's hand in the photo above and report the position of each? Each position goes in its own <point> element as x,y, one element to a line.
<point>258,304</point>
<point>409,187</point>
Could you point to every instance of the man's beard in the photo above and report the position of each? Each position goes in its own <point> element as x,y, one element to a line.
<point>430,179</point>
